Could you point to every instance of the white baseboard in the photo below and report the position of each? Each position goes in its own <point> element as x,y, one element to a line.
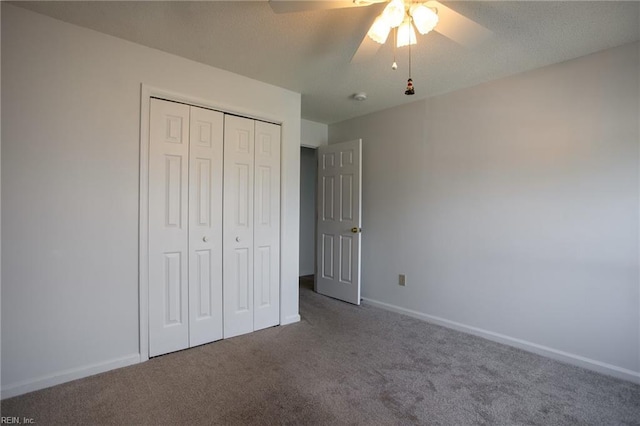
<point>290,319</point>
<point>67,376</point>
<point>580,361</point>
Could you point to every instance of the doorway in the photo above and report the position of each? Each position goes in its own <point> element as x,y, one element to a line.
<point>331,220</point>
<point>308,201</point>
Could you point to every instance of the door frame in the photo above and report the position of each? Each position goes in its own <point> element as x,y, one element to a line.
<point>146,93</point>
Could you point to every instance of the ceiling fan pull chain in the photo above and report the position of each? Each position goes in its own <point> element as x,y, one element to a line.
<point>394,66</point>
<point>410,90</point>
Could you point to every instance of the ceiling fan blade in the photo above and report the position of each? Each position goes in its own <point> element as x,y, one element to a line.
<point>367,50</point>
<point>290,6</point>
<point>458,27</point>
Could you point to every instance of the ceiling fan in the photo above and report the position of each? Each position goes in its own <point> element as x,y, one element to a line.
<point>401,15</point>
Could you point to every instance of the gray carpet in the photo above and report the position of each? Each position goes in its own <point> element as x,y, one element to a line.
<point>341,365</point>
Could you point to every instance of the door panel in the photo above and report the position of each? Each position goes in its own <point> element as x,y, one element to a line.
<point>328,198</point>
<point>241,280</point>
<point>346,259</point>
<point>205,226</point>
<point>173,288</point>
<point>266,301</point>
<point>238,225</point>
<point>346,197</point>
<point>203,296</point>
<point>168,230</point>
<point>174,187</point>
<point>339,221</point>
<point>202,178</point>
<point>327,256</point>
<point>263,284</point>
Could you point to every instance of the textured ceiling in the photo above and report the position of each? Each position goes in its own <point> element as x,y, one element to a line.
<point>310,52</point>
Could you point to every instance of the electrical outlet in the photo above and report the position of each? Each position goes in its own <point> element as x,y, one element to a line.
<point>402,280</point>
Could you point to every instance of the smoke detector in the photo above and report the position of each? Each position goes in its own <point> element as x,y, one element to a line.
<point>360,96</point>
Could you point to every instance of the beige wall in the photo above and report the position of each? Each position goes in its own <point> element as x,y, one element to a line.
<point>70,191</point>
<point>513,209</point>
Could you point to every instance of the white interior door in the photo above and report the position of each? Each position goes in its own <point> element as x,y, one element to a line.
<point>168,227</point>
<point>205,226</point>
<point>266,296</point>
<point>238,223</point>
<point>339,221</point>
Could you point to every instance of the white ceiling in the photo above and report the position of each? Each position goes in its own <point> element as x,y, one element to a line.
<point>310,52</point>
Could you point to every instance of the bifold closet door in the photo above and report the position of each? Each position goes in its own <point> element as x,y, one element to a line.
<point>266,300</point>
<point>205,226</point>
<point>168,227</point>
<point>185,226</point>
<point>251,225</point>
<point>238,225</point>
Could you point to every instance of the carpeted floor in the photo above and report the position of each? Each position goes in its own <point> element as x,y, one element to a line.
<point>340,365</point>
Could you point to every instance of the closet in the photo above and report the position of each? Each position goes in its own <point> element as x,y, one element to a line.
<point>214,226</point>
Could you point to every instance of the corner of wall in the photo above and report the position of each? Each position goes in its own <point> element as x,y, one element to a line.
<point>312,134</point>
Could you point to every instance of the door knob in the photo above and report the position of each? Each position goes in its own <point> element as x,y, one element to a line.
<point>238,239</point>
<point>205,239</point>
<point>356,230</point>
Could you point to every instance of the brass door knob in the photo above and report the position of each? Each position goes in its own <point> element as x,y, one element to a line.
<point>356,230</point>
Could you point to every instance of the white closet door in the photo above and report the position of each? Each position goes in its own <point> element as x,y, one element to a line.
<point>238,225</point>
<point>168,226</point>
<point>205,226</point>
<point>266,300</point>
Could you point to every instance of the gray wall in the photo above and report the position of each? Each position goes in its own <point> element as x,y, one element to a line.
<point>513,209</point>
<point>70,179</point>
<point>308,183</point>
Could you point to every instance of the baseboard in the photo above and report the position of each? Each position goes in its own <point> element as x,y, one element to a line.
<point>290,319</point>
<point>569,358</point>
<point>67,376</point>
